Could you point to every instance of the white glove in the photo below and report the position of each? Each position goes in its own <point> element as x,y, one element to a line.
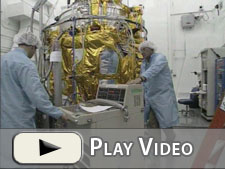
<point>135,81</point>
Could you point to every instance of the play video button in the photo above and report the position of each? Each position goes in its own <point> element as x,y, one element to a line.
<point>47,148</point>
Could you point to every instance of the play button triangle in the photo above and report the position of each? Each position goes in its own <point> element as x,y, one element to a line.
<point>46,147</point>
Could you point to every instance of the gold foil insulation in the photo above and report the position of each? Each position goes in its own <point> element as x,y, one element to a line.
<point>91,41</point>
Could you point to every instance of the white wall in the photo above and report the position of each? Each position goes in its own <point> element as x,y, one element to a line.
<point>10,27</point>
<point>187,44</point>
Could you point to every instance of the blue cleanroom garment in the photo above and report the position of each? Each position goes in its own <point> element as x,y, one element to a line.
<point>159,93</point>
<point>22,92</point>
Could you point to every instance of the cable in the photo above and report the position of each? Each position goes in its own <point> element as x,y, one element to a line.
<point>203,15</point>
<point>32,20</point>
<point>215,53</point>
<point>45,78</point>
<point>185,56</point>
<point>207,17</point>
<point>51,13</point>
<point>74,62</point>
<point>59,17</point>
